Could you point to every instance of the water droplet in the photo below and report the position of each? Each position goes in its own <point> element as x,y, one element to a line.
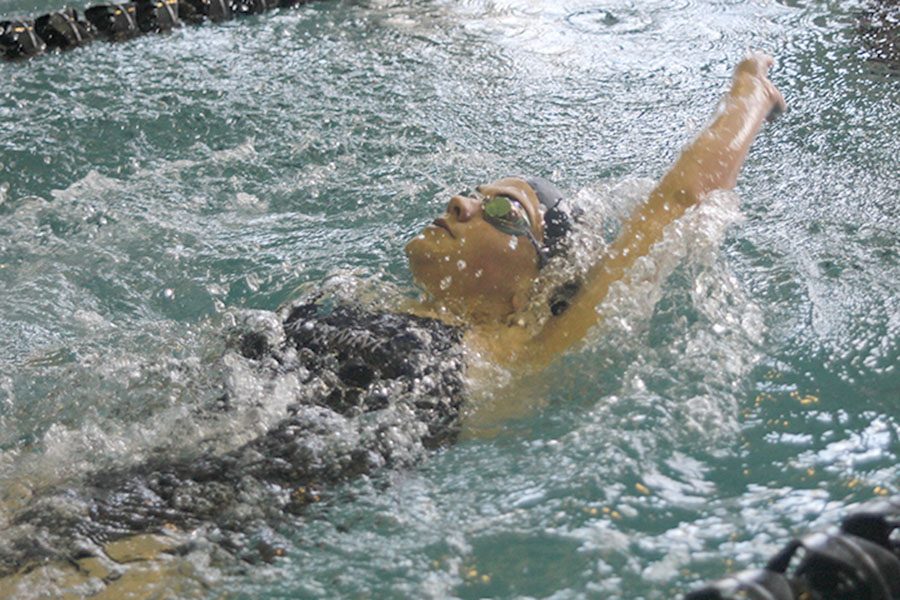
<point>513,243</point>
<point>169,293</point>
<point>479,273</point>
<point>445,282</point>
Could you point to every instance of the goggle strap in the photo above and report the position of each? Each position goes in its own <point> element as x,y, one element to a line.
<point>541,251</point>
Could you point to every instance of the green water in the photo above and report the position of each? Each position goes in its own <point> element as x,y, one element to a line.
<point>744,391</point>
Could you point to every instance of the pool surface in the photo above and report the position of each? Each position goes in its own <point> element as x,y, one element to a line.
<point>744,388</point>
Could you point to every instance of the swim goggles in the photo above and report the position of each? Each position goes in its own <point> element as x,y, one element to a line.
<point>502,213</point>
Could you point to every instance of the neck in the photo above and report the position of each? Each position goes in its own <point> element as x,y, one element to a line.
<point>497,340</point>
<point>455,313</point>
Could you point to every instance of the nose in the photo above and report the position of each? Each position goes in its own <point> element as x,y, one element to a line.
<point>463,208</point>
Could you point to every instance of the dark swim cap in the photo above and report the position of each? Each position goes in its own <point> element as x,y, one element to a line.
<point>557,222</point>
<point>557,225</point>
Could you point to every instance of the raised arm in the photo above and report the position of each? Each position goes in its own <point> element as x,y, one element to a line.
<point>711,162</point>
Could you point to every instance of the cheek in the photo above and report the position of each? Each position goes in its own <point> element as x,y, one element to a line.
<point>498,267</point>
<point>503,274</point>
<point>431,261</point>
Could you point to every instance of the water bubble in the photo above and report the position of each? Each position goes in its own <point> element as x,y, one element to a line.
<point>479,273</point>
<point>513,243</point>
<point>215,289</point>
<point>4,192</point>
<point>461,265</point>
<point>169,294</point>
<point>445,282</point>
<point>244,200</point>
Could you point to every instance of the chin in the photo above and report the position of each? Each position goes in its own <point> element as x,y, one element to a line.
<point>426,246</point>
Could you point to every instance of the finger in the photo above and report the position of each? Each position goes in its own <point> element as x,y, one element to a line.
<point>765,60</point>
<point>779,106</point>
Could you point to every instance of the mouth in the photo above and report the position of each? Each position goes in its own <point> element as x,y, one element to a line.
<point>442,224</point>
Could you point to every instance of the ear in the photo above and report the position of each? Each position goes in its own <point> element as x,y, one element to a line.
<point>520,299</point>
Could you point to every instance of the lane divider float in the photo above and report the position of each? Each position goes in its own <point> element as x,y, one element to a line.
<point>66,29</point>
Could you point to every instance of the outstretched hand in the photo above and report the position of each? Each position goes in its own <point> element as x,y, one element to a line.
<point>755,70</point>
<point>711,162</point>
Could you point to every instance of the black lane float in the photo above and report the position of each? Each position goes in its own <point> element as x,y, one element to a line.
<point>114,22</point>
<point>197,11</point>
<point>861,561</point>
<point>18,39</point>
<point>65,29</point>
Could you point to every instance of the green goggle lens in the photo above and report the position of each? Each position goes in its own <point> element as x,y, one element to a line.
<point>498,208</point>
<point>500,212</point>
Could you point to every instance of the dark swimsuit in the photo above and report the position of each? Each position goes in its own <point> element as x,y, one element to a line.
<point>389,387</point>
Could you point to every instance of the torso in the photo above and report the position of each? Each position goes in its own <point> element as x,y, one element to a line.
<point>378,390</point>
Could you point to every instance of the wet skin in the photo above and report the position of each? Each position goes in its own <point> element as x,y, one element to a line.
<point>471,267</point>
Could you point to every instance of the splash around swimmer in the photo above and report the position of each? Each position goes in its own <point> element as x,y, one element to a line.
<point>376,391</point>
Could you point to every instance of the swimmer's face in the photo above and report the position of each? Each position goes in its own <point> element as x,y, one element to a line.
<point>468,264</point>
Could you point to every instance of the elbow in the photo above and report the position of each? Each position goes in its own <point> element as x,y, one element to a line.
<point>682,192</point>
<point>686,196</point>
<point>684,184</point>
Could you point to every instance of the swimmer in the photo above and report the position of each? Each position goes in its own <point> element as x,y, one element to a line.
<point>503,233</point>
<point>373,390</point>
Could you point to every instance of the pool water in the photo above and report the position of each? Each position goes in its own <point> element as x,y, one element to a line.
<point>742,390</point>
